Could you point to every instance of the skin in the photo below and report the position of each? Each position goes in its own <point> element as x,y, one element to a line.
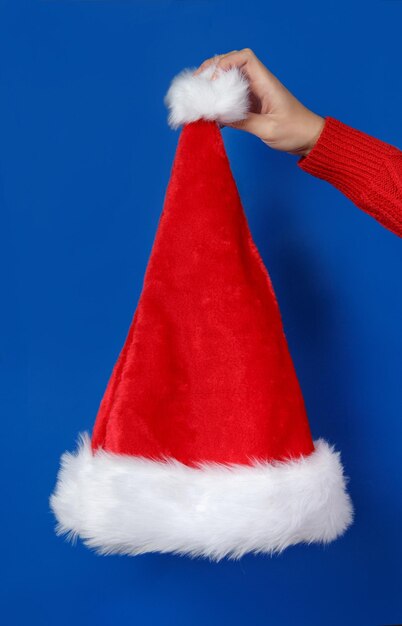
<point>276,116</point>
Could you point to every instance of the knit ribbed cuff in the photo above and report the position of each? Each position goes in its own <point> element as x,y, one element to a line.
<point>365,169</point>
<point>347,158</point>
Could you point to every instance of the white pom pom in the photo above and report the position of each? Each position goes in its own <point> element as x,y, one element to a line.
<point>224,99</point>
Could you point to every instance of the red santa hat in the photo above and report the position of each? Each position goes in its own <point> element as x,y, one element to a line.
<point>202,445</point>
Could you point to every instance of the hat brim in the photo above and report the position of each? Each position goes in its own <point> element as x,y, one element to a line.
<point>119,504</point>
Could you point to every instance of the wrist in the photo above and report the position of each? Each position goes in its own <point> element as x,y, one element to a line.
<point>314,127</point>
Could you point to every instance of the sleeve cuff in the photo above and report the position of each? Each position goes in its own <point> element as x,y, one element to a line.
<point>347,158</point>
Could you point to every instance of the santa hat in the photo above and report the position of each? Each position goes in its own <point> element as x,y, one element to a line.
<point>202,445</point>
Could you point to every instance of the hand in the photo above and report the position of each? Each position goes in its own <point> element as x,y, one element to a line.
<point>276,116</point>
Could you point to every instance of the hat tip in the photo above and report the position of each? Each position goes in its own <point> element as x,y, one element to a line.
<point>192,97</point>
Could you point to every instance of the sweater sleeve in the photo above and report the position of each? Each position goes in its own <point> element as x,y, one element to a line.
<point>365,169</point>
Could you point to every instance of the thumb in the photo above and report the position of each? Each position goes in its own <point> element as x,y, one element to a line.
<point>254,123</point>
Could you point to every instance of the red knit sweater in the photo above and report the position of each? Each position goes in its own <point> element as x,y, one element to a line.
<point>366,170</point>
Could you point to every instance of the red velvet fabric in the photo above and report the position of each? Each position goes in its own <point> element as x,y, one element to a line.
<point>205,373</point>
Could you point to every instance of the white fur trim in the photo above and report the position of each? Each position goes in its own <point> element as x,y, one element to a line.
<point>131,505</point>
<point>191,98</point>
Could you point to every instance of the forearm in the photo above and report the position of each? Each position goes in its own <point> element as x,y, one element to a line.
<point>365,169</point>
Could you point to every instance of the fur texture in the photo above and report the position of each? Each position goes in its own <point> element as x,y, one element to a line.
<point>191,98</point>
<point>131,505</point>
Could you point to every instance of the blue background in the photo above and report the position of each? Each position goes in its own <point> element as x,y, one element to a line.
<point>85,158</point>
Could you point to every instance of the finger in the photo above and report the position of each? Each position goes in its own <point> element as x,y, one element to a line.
<point>207,63</point>
<point>211,61</point>
<point>237,58</point>
<point>254,123</point>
